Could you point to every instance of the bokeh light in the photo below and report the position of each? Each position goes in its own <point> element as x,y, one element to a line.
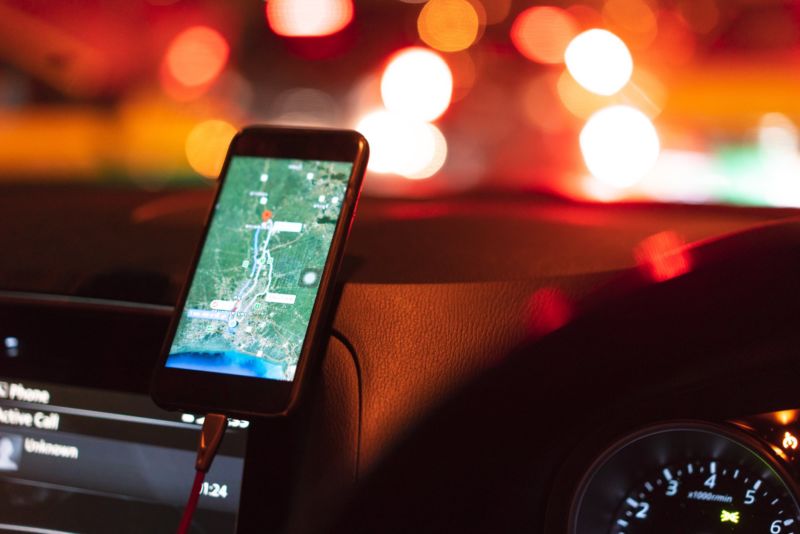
<point>232,95</point>
<point>207,144</point>
<point>586,16</point>
<point>633,18</point>
<point>777,133</point>
<point>496,10</point>
<point>619,145</point>
<point>599,61</point>
<point>675,44</point>
<point>542,33</point>
<point>414,149</point>
<point>577,99</point>
<point>305,106</point>
<point>645,92</point>
<point>448,25</point>
<point>385,135</point>
<point>779,159</point>
<point>685,176</point>
<point>308,18</point>
<point>145,151</point>
<point>417,83</point>
<point>548,309</point>
<point>663,256</point>
<point>464,72</point>
<point>437,159</point>
<point>593,189</point>
<point>196,56</point>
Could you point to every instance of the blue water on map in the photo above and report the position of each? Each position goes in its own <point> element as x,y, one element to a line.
<point>227,362</point>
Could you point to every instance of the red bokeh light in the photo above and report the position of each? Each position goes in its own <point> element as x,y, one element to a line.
<point>196,56</point>
<point>308,18</point>
<point>542,33</point>
<point>548,310</point>
<point>663,256</point>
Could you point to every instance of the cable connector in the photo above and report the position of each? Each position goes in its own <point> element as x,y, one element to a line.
<point>214,427</point>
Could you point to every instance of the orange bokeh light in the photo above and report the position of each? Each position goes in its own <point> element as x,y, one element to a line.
<point>308,18</point>
<point>448,25</point>
<point>196,56</point>
<point>634,19</point>
<point>207,144</point>
<point>785,417</point>
<point>542,33</point>
<point>576,99</point>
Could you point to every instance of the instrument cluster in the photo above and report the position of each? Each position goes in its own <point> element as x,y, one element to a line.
<point>692,476</point>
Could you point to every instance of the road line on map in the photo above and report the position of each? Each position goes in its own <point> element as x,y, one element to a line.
<point>254,280</point>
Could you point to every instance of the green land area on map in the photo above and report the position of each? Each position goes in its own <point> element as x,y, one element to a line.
<point>259,271</point>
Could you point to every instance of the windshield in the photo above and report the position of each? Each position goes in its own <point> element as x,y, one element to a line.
<point>679,100</point>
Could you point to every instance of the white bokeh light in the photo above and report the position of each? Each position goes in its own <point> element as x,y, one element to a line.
<point>620,145</point>
<point>418,84</point>
<point>309,18</point>
<point>438,157</point>
<point>398,145</point>
<point>599,61</point>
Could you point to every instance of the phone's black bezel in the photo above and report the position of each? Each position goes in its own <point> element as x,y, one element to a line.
<point>206,392</point>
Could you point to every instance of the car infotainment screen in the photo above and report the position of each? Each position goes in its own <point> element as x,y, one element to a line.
<point>250,300</point>
<point>95,461</point>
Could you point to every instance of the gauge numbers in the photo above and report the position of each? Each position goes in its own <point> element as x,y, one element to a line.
<point>707,496</point>
<point>688,478</point>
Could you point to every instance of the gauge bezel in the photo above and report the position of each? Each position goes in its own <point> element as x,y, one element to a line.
<point>734,434</point>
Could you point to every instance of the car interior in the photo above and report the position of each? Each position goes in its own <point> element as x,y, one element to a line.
<point>567,301</point>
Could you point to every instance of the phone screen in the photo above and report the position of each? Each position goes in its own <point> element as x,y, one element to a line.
<point>250,300</point>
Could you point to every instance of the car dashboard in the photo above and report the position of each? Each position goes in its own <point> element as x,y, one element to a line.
<point>497,364</point>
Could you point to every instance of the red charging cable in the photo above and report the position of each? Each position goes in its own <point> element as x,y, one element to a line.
<point>191,505</point>
<point>214,427</point>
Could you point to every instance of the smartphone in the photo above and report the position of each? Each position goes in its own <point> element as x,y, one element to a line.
<point>256,307</point>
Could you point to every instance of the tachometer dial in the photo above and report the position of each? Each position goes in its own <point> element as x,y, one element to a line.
<point>688,479</point>
<point>706,496</point>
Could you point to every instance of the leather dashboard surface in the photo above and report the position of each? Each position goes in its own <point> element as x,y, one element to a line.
<point>434,293</point>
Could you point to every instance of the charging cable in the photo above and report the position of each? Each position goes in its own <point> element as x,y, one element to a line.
<point>214,427</point>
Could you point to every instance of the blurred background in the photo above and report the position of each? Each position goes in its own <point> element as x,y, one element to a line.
<point>604,100</point>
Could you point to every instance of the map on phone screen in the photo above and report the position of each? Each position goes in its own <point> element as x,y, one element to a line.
<point>251,296</point>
